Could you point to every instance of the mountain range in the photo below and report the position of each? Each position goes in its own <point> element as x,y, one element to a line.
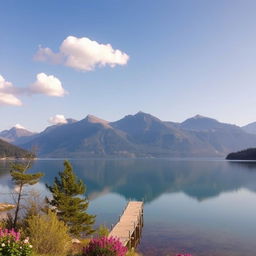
<point>139,135</point>
<point>15,134</point>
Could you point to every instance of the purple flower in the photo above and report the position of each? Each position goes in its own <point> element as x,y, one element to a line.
<point>105,247</point>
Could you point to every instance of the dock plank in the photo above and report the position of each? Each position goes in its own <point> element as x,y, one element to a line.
<point>130,220</point>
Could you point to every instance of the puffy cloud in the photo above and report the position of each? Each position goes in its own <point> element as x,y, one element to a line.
<point>49,85</point>
<point>4,84</point>
<point>44,84</point>
<point>57,119</point>
<point>46,54</point>
<point>9,99</point>
<point>83,54</point>
<point>7,96</point>
<point>18,126</point>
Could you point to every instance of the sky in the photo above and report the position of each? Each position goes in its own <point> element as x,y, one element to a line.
<point>110,58</point>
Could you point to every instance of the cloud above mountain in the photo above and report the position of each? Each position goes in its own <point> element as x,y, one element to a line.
<point>18,126</point>
<point>48,85</point>
<point>45,84</point>
<point>57,119</point>
<point>7,93</point>
<point>83,54</point>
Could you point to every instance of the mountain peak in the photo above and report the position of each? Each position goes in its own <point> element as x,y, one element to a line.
<point>95,120</point>
<point>199,116</point>
<point>145,116</point>
<point>202,123</point>
<point>14,133</point>
<point>140,113</point>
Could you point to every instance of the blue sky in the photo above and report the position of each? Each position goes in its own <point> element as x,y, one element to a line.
<point>185,58</point>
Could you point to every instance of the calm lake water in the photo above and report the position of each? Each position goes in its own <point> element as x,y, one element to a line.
<point>206,207</point>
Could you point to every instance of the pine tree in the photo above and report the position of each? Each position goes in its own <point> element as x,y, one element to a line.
<point>69,202</point>
<point>21,178</point>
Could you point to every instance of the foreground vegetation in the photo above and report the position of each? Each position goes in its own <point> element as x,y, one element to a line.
<point>55,226</point>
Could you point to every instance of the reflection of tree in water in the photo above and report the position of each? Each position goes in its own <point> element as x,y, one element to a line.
<point>149,178</point>
<point>250,165</point>
<point>4,168</point>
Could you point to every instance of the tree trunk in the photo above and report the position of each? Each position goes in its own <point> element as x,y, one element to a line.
<point>17,208</point>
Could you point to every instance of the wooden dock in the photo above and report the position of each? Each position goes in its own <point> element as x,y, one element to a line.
<point>129,227</point>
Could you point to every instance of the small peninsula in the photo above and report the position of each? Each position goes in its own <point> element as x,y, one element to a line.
<point>247,154</point>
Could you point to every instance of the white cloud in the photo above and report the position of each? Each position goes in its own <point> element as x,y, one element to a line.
<point>18,126</point>
<point>7,96</point>
<point>4,84</point>
<point>46,54</point>
<point>44,84</point>
<point>57,119</point>
<point>83,54</point>
<point>49,85</point>
<point>9,99</point>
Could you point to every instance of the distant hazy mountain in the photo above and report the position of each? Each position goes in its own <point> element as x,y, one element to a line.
<point>19,136</point>
<point>201,123</point>
<point>223,137</point>
<point>140,135</point>
<point>9,150</point>
<point>52,127</point>
<point>14,134</point>
<point>250,128</point>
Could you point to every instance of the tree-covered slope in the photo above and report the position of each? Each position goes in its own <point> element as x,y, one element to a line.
<point>247,154</point>
<point>9,150</point>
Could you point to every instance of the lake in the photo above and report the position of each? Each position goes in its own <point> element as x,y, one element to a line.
<point>206,207</point>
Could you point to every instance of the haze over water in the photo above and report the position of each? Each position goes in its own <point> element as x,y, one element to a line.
<point>198,206</point>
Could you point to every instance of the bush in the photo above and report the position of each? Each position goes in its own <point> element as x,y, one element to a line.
<point>105,246</point>
<point>102,231</point>
<point>12,245</point>
<point>77,248</point>
<point>48,235</point>
<point>133,253</point>
<point>2,224</point>
<point>7,222</point>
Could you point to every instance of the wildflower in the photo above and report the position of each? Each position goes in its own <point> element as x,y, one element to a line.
<point>10,243</point>
<point>30,246</point>
<point>109,245</point>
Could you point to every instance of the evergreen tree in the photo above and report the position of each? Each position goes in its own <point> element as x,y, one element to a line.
<point>69,202</point>
<point>21,178</point>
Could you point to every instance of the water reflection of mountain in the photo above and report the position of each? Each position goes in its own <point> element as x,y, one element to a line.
<point>149,178</point>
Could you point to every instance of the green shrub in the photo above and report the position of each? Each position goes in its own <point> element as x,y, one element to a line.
<point>48,235</point>
<point>7,222</point>
<point>2,224</point>
<point>102,231</point>
<point>132,253</point>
